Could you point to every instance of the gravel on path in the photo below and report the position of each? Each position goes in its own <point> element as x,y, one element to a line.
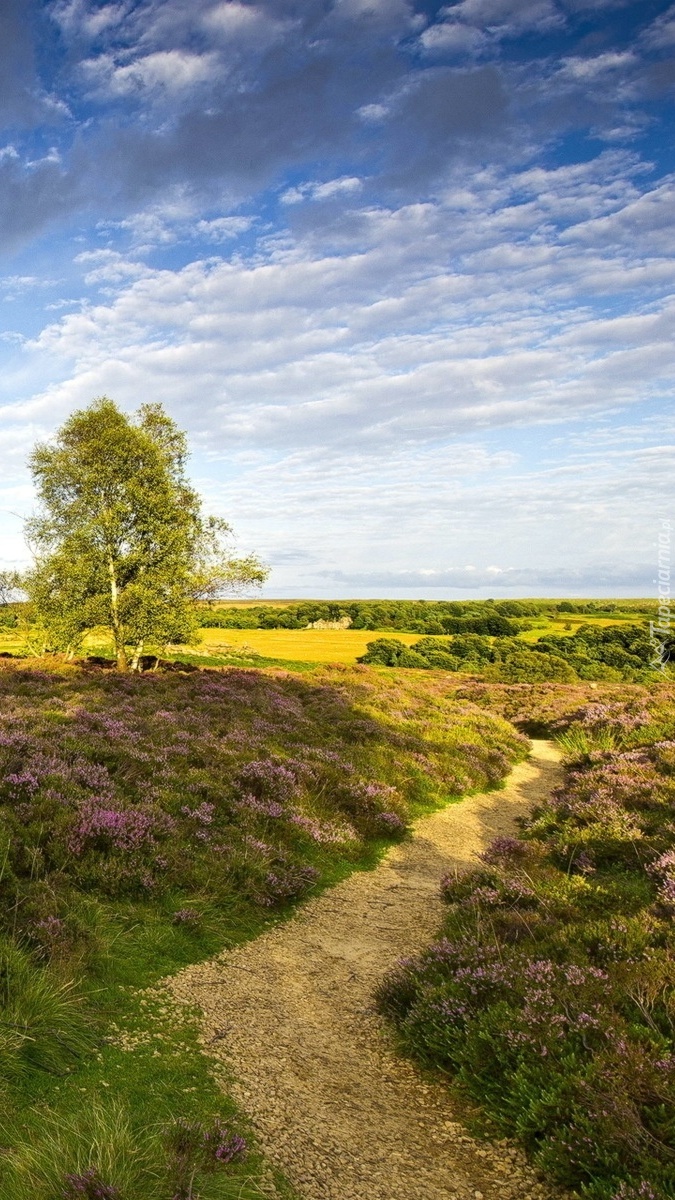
<point>289,1019</point>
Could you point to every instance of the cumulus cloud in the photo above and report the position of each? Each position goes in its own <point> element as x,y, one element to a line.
<point>466,24</point>
<point>380,342</point>
<point>246,23</point>
<point>221,229</point>
<point>224,98</point>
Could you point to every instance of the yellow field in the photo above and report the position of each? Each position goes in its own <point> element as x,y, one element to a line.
<point>294,645</point>
<point>300,645</point>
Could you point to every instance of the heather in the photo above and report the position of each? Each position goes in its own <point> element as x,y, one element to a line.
<point>545,709</point>
<point>147,821</point>
<point>549,995</point>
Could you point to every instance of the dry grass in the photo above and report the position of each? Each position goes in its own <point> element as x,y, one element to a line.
<point>301,645</point>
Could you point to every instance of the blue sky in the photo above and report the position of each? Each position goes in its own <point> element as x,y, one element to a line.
<point>403,271</point>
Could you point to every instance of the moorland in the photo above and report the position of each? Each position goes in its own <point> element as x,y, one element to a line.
<point>150,819</point>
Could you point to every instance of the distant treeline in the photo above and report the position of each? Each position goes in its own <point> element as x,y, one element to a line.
<point>613,653</point>
<point>498,618</point>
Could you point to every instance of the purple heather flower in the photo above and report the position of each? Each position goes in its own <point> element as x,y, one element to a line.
<point>503,847</point>
<point>88,1185</point>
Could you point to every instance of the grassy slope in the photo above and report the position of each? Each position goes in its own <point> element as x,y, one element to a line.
<point>82,908</point>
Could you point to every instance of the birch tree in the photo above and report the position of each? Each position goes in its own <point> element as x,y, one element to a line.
<point>120,539</point>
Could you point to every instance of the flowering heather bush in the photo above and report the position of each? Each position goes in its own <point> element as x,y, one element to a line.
<point>135,785</point>
<point>546,709</point>
<point>503,849</point>
<point>550,994</point>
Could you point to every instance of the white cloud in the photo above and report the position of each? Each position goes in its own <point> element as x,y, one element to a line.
<point>163,71</point>
<point>453,37</point>
<point>660,35</point>
<point>108,266</point>
<point>77,17</point>
<point>221,229</point>
<point>506,18</point>
<point>313,190</point>
<point>593,67</point>
<point>233,22</point>
<point>373,112</point>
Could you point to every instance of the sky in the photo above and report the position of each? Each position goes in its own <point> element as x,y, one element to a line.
<point>402,270</point>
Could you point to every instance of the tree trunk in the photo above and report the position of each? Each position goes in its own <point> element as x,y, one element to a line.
<point>136,657</point>
<point>117,630</point>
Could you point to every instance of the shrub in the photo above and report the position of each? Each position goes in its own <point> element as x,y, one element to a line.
<point>390,652</point>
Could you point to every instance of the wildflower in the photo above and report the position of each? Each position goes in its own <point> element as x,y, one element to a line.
<point>186,916</point>
<point>503,847</point>
<point>89,1186</point>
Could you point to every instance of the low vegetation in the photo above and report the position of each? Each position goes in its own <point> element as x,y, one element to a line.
<point>549,995</point>
<point>147,821</point>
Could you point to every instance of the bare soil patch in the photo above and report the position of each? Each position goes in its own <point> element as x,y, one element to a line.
<point>290,1021</point>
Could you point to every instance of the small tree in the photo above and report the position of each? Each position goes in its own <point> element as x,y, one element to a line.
<point>120,539</point>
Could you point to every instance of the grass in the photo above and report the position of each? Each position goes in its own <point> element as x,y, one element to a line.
<point>147,822</point>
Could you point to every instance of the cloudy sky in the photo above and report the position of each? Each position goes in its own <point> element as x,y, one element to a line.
<point>403,270</point>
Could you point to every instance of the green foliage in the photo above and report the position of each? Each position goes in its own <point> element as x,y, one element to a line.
<point>594,654</point>
<point>102,1153</point>
<point>120,540</point>
<point>100,1142</point>
<point>390,652</point>
<point>42,1024</point>
<point>518,664</point>
<point>11,587</point>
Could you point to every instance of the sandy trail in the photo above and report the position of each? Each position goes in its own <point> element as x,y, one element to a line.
<point>289,1018</point>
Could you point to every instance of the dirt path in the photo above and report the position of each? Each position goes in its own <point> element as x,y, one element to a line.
<point>289,1017</point>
